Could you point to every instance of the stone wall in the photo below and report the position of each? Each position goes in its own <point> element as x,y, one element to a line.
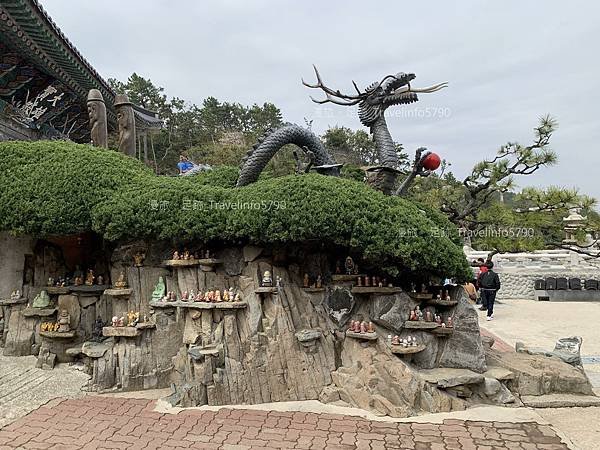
<point>518,271</point>
<point>12,261</point>
<point>517,286</point>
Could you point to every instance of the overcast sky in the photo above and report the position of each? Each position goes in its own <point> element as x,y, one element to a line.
<point>507,63</point>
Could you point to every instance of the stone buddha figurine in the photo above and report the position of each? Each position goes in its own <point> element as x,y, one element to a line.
<point>349,265</point>
<point>64,321</point>
<point>42,300</point>
<point>90,278</point>
<point>121,283</point>
<point>267,279</point>
<point>159,290</point>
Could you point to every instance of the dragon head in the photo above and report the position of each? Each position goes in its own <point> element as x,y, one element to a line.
<point>377,97</point>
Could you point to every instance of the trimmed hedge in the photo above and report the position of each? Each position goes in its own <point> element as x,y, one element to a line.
<point>64,188</point>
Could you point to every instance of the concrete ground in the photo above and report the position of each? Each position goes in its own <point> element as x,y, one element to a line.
<point>540,324</point>
<point>124,423</point>
<point>23,389</point>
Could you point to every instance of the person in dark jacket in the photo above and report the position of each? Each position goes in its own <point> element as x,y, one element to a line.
<point>489,284</point>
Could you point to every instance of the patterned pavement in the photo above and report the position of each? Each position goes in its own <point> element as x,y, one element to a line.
<point>94,422</point>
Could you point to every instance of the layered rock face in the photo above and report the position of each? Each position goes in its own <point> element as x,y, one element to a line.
<point>283,343</point>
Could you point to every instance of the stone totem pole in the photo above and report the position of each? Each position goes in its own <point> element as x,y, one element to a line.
<point>97,112</point>
<point>126,121</point>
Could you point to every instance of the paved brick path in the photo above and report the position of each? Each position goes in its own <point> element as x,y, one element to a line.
<point>117,423</point>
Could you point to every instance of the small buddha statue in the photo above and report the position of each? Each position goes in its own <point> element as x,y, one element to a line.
<point>373,281</point>
<point>367,281</point>
<point>225,295</point>
<point>50,282</point>
<point>64,321</point>
<point>121,322</point>
<point>359,281</point>
<point>186,255</point>
<point>130,318</point>
<point>428,317</point>
<point>90,278</point>
<point>305,281</point>
<point>278,282</point>
<point>357,326</point>
<point>319,283</point>
<point>238,297</point>
<point>42,300</point>
<point>16,295</point>
<point>121,283</point>
<point>351,326</point>
<point>363,327</point>
<point>218,296</point>
<point>115,321</point>
<point>396,340</point>
<point>267,280</point>
<point>370,327</point>
<point>159,290</point>
<point>450,322</point>
<point>349,265</point>
<point>184,296</point>
<point>231,294</point>
<point>138,259</point>
<point>100,280</point>
<point>207,254</point>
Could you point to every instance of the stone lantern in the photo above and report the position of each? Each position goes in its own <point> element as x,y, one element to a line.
<point>573,223</point>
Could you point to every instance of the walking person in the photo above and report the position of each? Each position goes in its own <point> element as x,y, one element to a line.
<point>489,284</point>
<point>482,269</point>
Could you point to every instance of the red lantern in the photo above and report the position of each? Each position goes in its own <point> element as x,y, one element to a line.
<point>432,161</point>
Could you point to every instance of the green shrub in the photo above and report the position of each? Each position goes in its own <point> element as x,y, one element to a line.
<point>63,188</point>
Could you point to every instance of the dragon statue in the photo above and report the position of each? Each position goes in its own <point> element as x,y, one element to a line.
<point>372,104</point>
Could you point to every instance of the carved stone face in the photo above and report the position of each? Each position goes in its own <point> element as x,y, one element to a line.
<point>92,111</point>
<point>121,117</point>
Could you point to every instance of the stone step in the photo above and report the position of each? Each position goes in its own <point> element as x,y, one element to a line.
<point>445,377</point>
<point>560,401</point>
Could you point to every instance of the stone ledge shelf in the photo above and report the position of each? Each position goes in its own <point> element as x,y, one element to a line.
<point>401,350</point>
<point>121,331</point>
<point>344,277</point>
<point>118,292</point>
<point>39,312</point>
<point>362,336</point>
<point>181,262</point>
<point>440,302</point>
<point>199,305</point>
<point>266,290</point>
<point>57,290</point>
<point>208,264</point>
<point>308,336</point>
<point>94,289</point>
<point>57,334</point>
<point>420,325</point>
<point>443,331</point>
<point>376,290</point>
<point>10,301</point>
<point>312,290</point>
<point>420,296</point>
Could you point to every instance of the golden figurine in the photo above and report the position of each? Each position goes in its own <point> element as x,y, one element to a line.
<point>121,283</point>
<point>90,278</point>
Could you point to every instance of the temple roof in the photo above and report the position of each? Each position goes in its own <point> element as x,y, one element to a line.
<point>44,78</point>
